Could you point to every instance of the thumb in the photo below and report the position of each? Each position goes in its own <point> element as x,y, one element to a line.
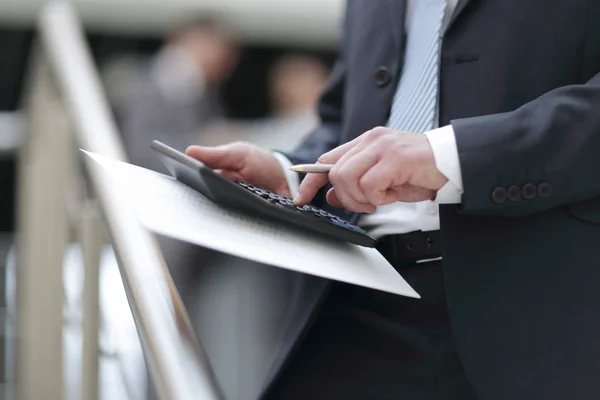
<point>229,157</point>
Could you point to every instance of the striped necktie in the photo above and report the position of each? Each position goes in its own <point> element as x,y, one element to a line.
<point>414,105</point>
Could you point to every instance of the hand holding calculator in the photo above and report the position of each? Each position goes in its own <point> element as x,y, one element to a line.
<point>257,201</point>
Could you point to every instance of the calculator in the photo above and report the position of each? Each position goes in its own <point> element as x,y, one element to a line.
<point>257,201</point>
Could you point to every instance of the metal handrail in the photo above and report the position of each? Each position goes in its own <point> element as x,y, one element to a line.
<point>178,365</point>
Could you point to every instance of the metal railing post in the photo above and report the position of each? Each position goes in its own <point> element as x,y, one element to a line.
<point>177,363</point>
<point>91,240</point>
<point>42,236</point>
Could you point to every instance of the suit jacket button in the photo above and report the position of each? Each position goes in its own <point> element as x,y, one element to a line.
<point>545,190</point>
<point>382,76</point>
<point>499,195</point>
<point>529,191</point>
<point>514,193</point>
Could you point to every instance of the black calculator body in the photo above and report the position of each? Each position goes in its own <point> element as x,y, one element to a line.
<point>257,201</point>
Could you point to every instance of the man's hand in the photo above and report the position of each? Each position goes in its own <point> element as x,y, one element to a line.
<point>381,166</point>
<point>244,162</point>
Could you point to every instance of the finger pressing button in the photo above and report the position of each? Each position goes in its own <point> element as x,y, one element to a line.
<point>514,193</point>
<point>545,190</point>
<point>529,191</point>
<point>499,195</point>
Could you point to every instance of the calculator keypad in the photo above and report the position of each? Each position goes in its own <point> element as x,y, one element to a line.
<point>308,209</point>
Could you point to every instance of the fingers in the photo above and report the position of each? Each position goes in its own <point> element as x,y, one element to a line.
<point>228,157</point>
<point>332,198</point>
<point>309,187</point>
<point>406,194</point>
<point>375,184</point>
<point>233,175</point>
<point>313,182</point>
<point>364,182</point>
<point>331,157</point>
<point>347,173</point>
<point>379,167</point>
<point>354,146</point>
<point>412,194</point>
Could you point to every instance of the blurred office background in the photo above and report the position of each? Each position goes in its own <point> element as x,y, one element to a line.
<point>185,72</point>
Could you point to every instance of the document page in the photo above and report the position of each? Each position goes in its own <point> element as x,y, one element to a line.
<point>169,207</point>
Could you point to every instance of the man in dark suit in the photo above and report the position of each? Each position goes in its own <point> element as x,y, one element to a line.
<point>469,131</point>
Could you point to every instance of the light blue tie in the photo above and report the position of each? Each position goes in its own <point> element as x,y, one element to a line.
<point>414,105</point>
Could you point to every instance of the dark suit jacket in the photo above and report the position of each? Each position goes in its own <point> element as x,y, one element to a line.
<point>520,86</point>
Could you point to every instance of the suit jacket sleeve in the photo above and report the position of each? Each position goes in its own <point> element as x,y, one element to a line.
<point>552,143</point>
<point>330,109</point>
<point>327,135</point>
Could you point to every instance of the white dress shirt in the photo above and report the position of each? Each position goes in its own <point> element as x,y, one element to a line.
<point>399,218</point>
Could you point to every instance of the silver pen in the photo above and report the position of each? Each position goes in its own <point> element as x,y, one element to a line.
<point>312,168</point>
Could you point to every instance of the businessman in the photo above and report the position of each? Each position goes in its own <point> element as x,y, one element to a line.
<point>465,135</point>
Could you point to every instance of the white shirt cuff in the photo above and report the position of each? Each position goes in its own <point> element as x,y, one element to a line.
<point>292,178</point>
<point>445,152</point>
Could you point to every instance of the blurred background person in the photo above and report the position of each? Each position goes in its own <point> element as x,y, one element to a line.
<point>295,82</point>
<point>173,96</point>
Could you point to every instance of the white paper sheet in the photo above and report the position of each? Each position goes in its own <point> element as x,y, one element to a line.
<point>167,206</point>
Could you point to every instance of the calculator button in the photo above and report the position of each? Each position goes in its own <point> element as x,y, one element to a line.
<point>309,209</point>
<point>338,223</point>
